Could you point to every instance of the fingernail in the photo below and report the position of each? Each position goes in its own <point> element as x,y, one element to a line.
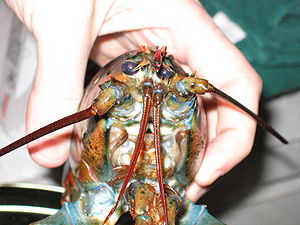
<point>215,175</point>
<point>194,192</point>
<point>210,178</point>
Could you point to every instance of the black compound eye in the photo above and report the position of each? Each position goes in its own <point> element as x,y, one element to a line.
<point>129,67</point>
<point>164,74</point>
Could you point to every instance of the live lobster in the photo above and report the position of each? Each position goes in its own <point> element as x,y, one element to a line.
<point>139,144</point>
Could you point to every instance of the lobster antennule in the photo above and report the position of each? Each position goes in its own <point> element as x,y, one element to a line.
<point>160,53</point>
<point>145,48</point>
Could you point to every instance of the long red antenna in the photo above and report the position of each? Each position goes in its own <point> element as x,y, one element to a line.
<point>157,101</point>
<point>249,112</point>
<point>66,121</point>
<point>147,89</point>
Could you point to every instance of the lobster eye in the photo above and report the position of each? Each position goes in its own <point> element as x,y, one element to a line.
<point>163,73</point>
<point>129,67</point>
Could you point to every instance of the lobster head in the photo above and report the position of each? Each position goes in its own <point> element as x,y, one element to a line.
<point>135,67</point>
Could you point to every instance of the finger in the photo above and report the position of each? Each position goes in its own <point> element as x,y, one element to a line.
<point>233,140</point>
<point>63,48</point>
<point>231,131</point>
<point>56,93</point>
<point>228,145</point>
<point>194,191</point>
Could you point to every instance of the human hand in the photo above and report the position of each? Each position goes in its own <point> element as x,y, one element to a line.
<point>66,32</point>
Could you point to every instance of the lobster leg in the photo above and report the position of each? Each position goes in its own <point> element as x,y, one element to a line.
<point>93,156</point>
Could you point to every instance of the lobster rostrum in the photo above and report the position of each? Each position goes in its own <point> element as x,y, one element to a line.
<point>141,146</point>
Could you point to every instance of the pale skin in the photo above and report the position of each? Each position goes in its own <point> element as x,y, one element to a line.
<point>69,32</point>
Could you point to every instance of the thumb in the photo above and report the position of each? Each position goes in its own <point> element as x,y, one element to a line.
<point>62,58</point>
